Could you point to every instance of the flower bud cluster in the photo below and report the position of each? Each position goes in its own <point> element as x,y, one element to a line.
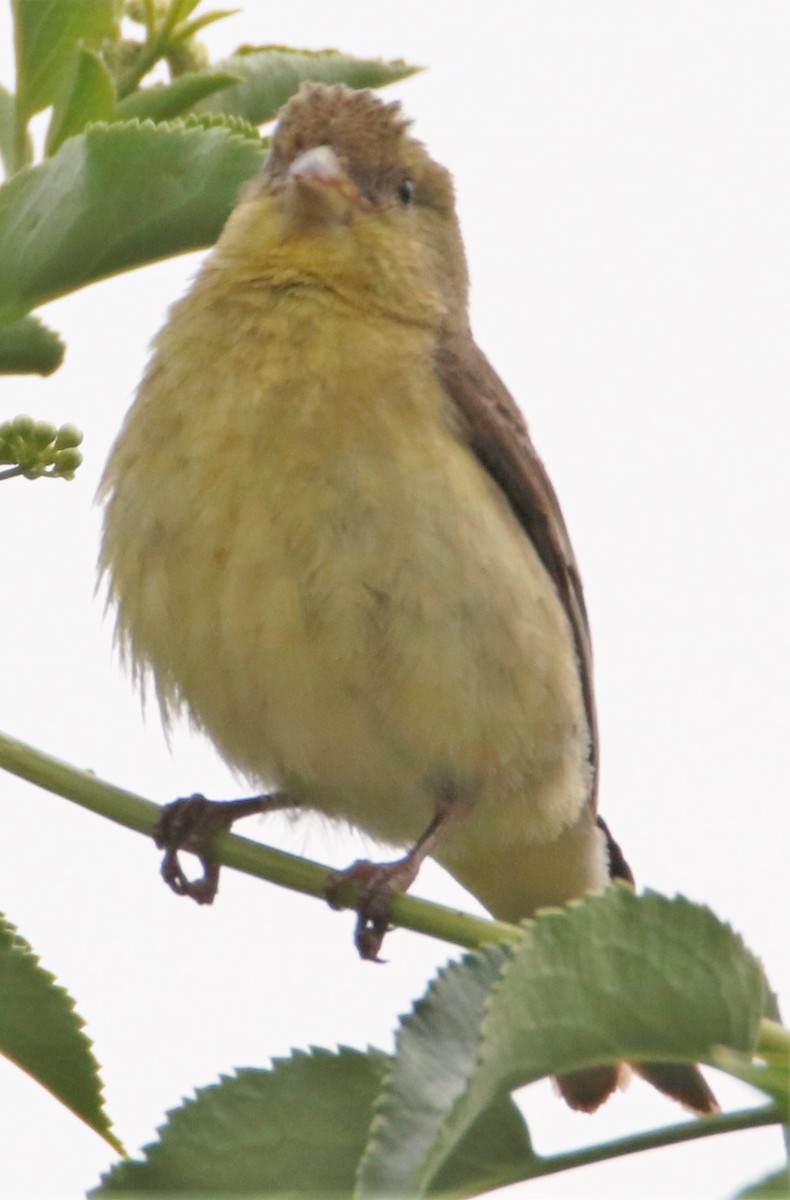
<point>36,448</point>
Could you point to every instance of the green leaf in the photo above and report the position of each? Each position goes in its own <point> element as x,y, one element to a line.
<point>771,1077</point>
<point>773,1187</point>
<point>617,977</point>
<point>437,1053</point>
<point>187,31</point>
<point>7,129</point>
<point>495,1149</point>
<point>180,10</point>
<point>297,1129</point>
<point>88,95</point>
<point>42,1034</point>
<point>48,34</point>
<point>116,197</point>
<point>271,74</point>
<point>8,135</point>
<point>27,347</point>
<point>650,978</point>
<point>164,101</point>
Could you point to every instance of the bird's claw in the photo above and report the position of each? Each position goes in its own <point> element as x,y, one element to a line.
<point>191,824</point>
<point>377,884</point>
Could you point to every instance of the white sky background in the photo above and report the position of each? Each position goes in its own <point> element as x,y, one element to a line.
<point>623,184</point>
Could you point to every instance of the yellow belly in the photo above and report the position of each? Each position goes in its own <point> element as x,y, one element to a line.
<point>326,578</point>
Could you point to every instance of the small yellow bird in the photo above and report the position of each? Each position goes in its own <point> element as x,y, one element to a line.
<point>331,542</point>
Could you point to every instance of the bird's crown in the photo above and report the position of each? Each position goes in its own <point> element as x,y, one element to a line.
<point>368,136</point>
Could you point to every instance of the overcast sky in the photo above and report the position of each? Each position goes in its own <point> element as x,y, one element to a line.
<point>622,172</point>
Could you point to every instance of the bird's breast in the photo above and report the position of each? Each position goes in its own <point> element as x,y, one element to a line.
<point>325,576</point>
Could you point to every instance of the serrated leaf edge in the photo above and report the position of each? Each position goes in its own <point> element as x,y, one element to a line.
<point>311,1052</point>
<point>379,1118</point>
<point>21,944</point>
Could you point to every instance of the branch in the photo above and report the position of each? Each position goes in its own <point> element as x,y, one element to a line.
<point>667,1135</point>
<point>242,854</point>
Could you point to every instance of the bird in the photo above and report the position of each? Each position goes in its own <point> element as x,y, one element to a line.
<point>331,543</point>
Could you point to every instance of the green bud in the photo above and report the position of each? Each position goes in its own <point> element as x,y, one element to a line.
<point>136,10</point>
<point>68,436</point>
<point>44,435</point>
<point>23,427</point>
<point>66,463</point>
<point>119,55</point>
<point>186,56</point>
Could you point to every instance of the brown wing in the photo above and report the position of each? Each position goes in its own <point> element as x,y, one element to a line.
<point>496,432</point>
<point>498,435</point>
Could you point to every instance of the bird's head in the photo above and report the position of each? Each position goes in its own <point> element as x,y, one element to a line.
<point>347,200</point>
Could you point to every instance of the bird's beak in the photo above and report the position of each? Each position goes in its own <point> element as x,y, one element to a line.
<point>317,191</point>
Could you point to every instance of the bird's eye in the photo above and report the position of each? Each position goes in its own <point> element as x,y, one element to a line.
<point>406,191</point>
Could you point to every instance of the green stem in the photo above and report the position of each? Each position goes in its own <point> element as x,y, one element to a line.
<point>771,1078</point>
<point>20,141</point>
<point>669,1135</point>
<point>773,1043</point>
<point>150,54</point>
<point>155,48</point>
<point>287,870</point>
<point>150,15</point>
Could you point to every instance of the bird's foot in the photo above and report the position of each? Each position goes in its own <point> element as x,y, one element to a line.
<point>377,884</point>
<point>191,824</point>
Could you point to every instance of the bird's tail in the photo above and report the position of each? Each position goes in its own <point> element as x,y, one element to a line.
<point>585,1091</point>
<point>517,880</point>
